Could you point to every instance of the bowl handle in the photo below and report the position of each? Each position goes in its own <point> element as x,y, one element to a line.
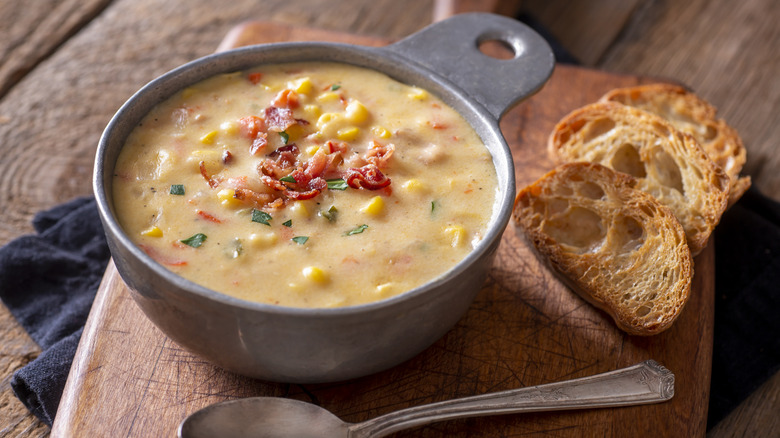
<point>450,48</point>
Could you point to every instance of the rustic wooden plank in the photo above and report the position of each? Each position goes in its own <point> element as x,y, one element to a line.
<point>755,417</point>
<point>728,53</point>
<point>447,8</point>
<point>32,30</point>
<point>585,28</point>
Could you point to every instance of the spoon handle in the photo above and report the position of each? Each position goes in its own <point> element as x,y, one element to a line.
<point>643,383</point>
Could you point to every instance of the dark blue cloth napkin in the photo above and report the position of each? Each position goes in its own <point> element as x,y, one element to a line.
<point>49,281</point>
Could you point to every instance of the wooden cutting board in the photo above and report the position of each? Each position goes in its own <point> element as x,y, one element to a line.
<point>525,328</point>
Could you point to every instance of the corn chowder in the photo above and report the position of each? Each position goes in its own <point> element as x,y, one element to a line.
<point>305,185</point>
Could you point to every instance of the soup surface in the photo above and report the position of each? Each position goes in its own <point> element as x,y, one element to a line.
<point>305,185</point>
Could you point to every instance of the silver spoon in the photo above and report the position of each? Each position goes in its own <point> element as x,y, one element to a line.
<point>643,383</point>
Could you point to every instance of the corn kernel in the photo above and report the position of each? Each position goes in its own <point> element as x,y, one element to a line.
<point>152,232</point>
<point>227,197</point>
<point>311,150</point>
<point>299,209</point>
<point>374,207</point>
<point>229,128</point>
<point>455,234</point>
<point>356,112</point>
<point>385,289</point>
<point>263,240</point>
<point>328,96</point>
<point>315,274</point>
<point>302,86</point>
<point>348,134</point>
<point>413,186</point>
<point>294,132</point>
<point>380,132</point>
<point>327,118</point>
<point>188,92</point>
<point>209,137</point>
<point>417,94</point>
<point>313,110</point>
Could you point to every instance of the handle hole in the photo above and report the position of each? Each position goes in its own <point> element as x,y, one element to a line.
<point>496,48</point>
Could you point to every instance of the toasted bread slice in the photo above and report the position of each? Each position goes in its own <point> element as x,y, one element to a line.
<point>615,245</point>
<point>693,115</point>
<point>668,164</point>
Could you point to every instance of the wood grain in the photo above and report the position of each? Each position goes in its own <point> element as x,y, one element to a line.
<point>34,31</point>
<point>524,328</point>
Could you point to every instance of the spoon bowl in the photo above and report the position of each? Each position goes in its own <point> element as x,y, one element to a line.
<point>272,417</point>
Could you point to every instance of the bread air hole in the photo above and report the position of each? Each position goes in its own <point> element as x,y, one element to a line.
<point>590,190</point>
<point>597,128</point>
<point>710,133</point>
<point>628,234</point>
<point>643,310</point>
<point>576,227</point>
<point>627,160</point>
<point>664,170</point>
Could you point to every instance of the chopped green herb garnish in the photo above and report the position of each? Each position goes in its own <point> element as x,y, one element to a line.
<point>357,230</point>
<point>335,87</point>
<point>330,214</point>
<point>300,240</point>
<point>433,206</point>
<point>177,189</point>
<point>285,136</point>
<point>235,248</point>
<point>195,240</point>
<point>287,223</point>
<point>337,184</point>
<point>288,178</point>
<point>261,217</point>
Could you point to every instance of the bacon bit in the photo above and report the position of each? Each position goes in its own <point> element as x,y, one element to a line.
<point>273,183</point>
<point>378,154</point>
<point>251,126</point>
<point>276,204</point>
<point>213,183</point>
<point>332,168</point>
<point>368,177</point>
<point>278,119</point>
<point>336,146</point>
<point>258,143</point>
<point>285,156</point>
<point>255,78</point>
<point>227,157</point>
<point>153,253</point>
<point>315,165</point>
<point>286,98</point>
<point>436,105</point>
<point>302,122</point>
<point>208,217</point>
<point>316,186</point>
<point>252,197</point>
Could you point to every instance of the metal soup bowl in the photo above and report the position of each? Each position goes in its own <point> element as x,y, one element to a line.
<point>322,345</point>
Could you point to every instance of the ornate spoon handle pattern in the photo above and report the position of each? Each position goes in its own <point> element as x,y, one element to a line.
<point>643,383</point>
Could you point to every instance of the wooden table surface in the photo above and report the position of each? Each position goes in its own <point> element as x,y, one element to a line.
<point>67,65</point>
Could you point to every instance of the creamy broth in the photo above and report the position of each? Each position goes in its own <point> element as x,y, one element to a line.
<point>305,185</point>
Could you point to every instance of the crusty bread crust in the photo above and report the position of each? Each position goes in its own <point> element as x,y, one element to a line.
<point>695,116</point>
<point>668,164</point>
<point>616,246</point>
